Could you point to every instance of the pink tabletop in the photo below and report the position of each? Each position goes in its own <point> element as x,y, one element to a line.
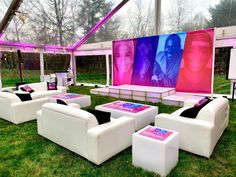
<point>156,133</point>
<point>127,106</point>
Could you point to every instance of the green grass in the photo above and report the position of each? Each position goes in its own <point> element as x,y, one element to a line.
<point>221,85</point>
<point>91,78</point>
<point>11,76</point>
<point>24,153</point>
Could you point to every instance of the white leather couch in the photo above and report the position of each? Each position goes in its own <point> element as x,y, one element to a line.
<point>41,91</point>
<point>201,134</point>
<point>14,110</point>
<point>78,131</point>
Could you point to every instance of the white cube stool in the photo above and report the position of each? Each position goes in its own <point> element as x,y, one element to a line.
<point>155,149</point>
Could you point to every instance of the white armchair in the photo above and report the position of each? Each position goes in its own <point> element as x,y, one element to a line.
<point>14,110</point>
<point>78,131</point>
<point>201,134</point>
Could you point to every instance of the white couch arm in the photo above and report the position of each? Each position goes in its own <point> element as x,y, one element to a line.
<point>27,110</point>
<point>195,134</point>
<point>106,140</point>
<point>190,103</point>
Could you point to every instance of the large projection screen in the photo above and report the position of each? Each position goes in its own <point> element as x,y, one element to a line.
<point>232,65</point>
<point>180,60</point>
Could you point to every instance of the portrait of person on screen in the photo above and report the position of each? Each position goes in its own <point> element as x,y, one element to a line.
<point>123,58</point>
<point>144,60</point>
<point>196,68</point>
<point>167,62</point>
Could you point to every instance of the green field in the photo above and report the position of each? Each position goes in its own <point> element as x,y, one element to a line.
<point>10,77</point>
<point>24,153</point>
<point>221,85</point>
<point>91,78</point>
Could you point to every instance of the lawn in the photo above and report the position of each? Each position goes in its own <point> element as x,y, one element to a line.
<point>221,85</point>
<point>10,77</point>
<point>24,153</point>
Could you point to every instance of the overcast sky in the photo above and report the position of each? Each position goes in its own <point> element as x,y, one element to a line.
<point>201,5</point>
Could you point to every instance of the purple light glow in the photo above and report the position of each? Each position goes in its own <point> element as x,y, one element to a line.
<point>33,46</point>
<point>28,46</point>
<point>1,34</point>
<point>100,23</point>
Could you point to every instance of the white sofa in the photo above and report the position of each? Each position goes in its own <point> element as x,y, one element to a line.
<point>14,110</point>
<point>201,134</point>
<point>41,91</point>
<point>78,131</point>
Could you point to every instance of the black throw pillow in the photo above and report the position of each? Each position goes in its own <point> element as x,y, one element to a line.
<point>61,102</point>
<point>193,111</point>
<point>24,96</point>
<point>101,116</point>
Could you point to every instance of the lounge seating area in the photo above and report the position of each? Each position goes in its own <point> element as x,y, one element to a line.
<point>117,88</point>
<point>109,145</point>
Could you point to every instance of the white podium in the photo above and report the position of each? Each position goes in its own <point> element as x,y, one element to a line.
<point>60,78</point>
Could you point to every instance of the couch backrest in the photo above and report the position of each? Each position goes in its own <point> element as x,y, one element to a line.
<point>56,119</point>
<point>215,110</point>
<point>41,86</point>
<point>86,118</point>
<point>6,100</point>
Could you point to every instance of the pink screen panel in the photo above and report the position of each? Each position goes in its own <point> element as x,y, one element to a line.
<point>195,73</point>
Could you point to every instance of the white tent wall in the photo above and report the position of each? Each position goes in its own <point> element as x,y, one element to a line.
<point>225,37</point>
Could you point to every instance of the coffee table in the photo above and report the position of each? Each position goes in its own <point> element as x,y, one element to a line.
<point>82,100</point>
<point>142,114</point>
<point>155,149</point>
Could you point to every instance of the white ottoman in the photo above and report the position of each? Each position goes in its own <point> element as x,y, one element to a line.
<point>82,100</point>
<point>143,114</point>
<point>155,149</point>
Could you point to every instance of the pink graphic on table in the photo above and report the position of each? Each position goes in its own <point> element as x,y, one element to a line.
<point>126,106</point>
<point>67,96</point>
<point>156,133</point>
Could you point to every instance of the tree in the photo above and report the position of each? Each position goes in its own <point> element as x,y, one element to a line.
<point>179,13</point>
<point>91,12</point>
<point>14,30</point>
<point>223,14</point>
<point>199,21</point>
<point>55,19</point>
<point>141,21</point>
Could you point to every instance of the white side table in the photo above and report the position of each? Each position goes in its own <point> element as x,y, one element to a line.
<point>155,149</point>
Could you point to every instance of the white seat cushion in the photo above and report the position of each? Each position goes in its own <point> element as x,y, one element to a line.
<point>43,94</point>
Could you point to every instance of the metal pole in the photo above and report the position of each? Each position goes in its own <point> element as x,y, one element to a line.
<point>157,18</point>
<point>108,70</point>
<point>41,66</point>
<point>73,67</point>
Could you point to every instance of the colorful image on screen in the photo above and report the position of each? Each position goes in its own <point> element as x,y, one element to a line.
<point>144,60</point>
<point>168,59</point>
<point>195,74</point>
<point>181,60</point>
<point>123,61</point>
